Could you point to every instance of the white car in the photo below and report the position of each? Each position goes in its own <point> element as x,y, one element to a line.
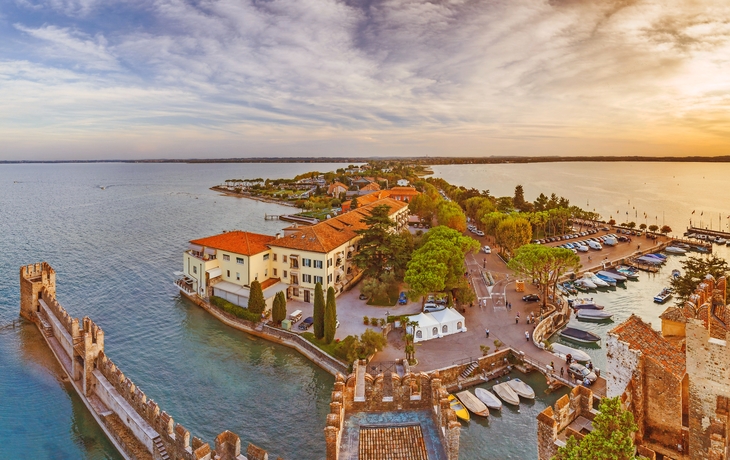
<point>487,250</point>
<point>479,233</point>
<point>582,248</point>
<point>595,245</point>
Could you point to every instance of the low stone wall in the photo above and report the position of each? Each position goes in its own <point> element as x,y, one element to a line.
<point>551,324</point>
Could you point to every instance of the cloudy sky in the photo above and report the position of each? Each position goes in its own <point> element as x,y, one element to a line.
<point>224,78</point>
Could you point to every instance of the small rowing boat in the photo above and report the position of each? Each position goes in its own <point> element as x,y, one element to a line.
<point>579,335</point>
<point>473,403</point>
<point>507,394</point>
<point>521,388</point>
<point>663,296</point>
<point>461,412</point>
<point>488,398</point>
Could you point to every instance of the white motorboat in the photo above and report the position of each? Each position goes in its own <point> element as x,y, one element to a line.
<point>593,315</point>
<point>587,281</point>
<point>579,304</point>
<point>675,250</point>
<point>507,394</point>
<point>472,403</point>
<point>596,280</point>
<point>663,296</point>
<point>720,240</point>
<point>521,388</point>
<point>488,398</point>
<point>616,276</point>
<point>561,351</point>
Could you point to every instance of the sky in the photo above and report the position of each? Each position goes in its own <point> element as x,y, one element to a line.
<point>133,79</point>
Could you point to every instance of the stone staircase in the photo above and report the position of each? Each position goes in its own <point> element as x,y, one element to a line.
<point>161,448</point>
<point>469,369</point>
<point>45,327</point>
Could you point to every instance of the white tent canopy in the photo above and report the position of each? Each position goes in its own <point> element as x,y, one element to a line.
<point>437,324</point>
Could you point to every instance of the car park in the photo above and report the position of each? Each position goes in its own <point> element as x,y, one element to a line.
<point>531,298</point>
<point>581,372</point>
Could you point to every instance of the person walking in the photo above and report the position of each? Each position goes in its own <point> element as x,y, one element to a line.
<point>487,332</point>
<point>562,371</point>
<point>527,335</point>
<point>517,319</point>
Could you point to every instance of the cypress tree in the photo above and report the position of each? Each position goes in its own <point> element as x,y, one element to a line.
<point>278,313</point>
<point>318,315</point>
<point>256,303</point>
<point>330,316</point>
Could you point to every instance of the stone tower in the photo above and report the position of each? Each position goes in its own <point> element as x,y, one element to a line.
<point>33,279</point>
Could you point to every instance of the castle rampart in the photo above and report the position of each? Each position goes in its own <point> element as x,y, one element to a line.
<point>135,424</point>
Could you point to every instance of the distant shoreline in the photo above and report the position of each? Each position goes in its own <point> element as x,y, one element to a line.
<point>416,160</point>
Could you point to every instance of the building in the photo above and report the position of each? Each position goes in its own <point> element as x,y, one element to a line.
<point>437,324</point>
<point>336,188</point>
<point>404,194</point>
<point>674,382</point>
<point>225,265</point>
<point>371,187</point>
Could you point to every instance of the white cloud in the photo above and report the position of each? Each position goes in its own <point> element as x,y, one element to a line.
<point>68,45</point>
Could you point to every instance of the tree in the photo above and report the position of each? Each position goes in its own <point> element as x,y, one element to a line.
<point>612,222</point>
<point>382,250</point>
<point>694,271</point>
<point>544,264</point>
<point>631,224</point>
<point>611,438</point>
<point>353,203</point>
<point>372,342</point>
<point>519,199</point>
<point>278,312</point>
<point>318,314</point>
<point>513,233</point>
<point>256,302</point>
<point>330,316</point>
<point>653,228</point>
<point>642,227</point>
<point>439,263</point>
<point>450,214</point>
<point>666,229</point>
<point>423,206</point>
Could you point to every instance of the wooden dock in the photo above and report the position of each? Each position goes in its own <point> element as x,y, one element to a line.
<point>272,217</point>
<point>704,231</point>
<point>642,266</point>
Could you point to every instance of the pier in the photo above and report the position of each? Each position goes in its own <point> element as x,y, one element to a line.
<point>272,217</point>
<point>706,232</point>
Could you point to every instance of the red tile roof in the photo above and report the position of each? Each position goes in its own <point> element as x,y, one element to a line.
<point>239,242</point>
<point>640,336</point>
<point>332,233</point>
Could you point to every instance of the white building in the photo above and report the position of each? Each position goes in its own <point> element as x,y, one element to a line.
<point>437,324</point>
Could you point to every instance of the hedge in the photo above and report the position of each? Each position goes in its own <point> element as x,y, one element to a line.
<point>234,309</point>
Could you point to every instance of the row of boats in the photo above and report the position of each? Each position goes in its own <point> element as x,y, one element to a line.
<point>708,238</point>
<point>482,399</point>
<point>601,279</point>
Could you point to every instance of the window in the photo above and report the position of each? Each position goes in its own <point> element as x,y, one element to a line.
<point>226,257</point>
<point>284,273</point>
<point>458,325</point>
<point>419,334</point>
<point>435,331</point>
<point>275,258</point>
<point>318,279</point>
<point>274,272</point>
<point>295,292</point>
<point>329,278</point>
<point>445,329</point>
<point>306,278</point>
<point>283,259</point>
<point>195,269</point>
<point>228,273</point>
<point>238,276</point>
<point>317,264</point>
<point>266,257</point>
<point>266,272</point>
<point>329,262</point>
<point>306,262</point>
<point>239,260</point>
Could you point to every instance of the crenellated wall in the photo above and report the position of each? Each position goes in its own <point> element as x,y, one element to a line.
<point>551,422</point>
<point>135,424</point>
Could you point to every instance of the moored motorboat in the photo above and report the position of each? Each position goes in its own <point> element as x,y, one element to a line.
<point>663,296</point>
<point>614,275</point>
<point>473,403</point>
<point>507,394</point>
<point>488,398</point>
<point>720,240</point>
<point>460,410</point>
<point>650,260</point>
<point>521,388</point>
<point>607,279</point>
<point>675,250</point>
<point>578,304</point>
<point>628,272</point>
<point>579,335</point>
<point>593,315</point>
<point>588,282</point>
<point>562,351</point>
<point>580,286</point>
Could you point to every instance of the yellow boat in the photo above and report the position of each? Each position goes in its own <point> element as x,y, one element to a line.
<point>460,410</point>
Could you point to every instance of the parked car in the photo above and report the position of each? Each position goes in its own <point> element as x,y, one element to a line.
<point>363,297</point>
<point>337,323</point>
<point>430,307</point>
<point>531,298</point>
<point>402,299</point>
<point>479,233</point>
<point>307,323</point>
<point>582,372</point>
<point>487,250</point>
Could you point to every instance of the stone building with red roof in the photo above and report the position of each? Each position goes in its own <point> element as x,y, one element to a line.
<point>225,265</point>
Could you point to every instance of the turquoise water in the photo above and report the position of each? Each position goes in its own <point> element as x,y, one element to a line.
<point>114,251</point>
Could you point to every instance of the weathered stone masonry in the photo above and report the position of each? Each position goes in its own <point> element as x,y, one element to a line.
<point>135,424</point>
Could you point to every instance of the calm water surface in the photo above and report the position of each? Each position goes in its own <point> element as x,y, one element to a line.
<point>114,251</point>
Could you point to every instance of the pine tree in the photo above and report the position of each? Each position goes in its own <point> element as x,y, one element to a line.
<point>278,313</point>
<point>256,303</point>
<point>330,316</point>
<point>353,203</point>
<point>318,315</point>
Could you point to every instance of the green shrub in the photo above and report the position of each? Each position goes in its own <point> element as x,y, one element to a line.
<point>365,320</point>
<point>234,309</point>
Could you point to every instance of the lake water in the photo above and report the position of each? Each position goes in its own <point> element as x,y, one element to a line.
<point>114,251</point>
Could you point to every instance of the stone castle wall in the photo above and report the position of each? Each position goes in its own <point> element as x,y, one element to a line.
<point>552,421</point>
<point>135,424</point>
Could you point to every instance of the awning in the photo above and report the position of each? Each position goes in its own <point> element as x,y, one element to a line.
<point>214,272</point>
<point>210,251</point>
<point>294,256</point>
<point>195,247</point>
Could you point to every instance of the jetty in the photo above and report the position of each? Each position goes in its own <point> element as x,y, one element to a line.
<point>704,231</point>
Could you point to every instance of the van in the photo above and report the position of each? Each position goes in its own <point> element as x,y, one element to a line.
<point>295,316</point>
<point>594,245</point>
